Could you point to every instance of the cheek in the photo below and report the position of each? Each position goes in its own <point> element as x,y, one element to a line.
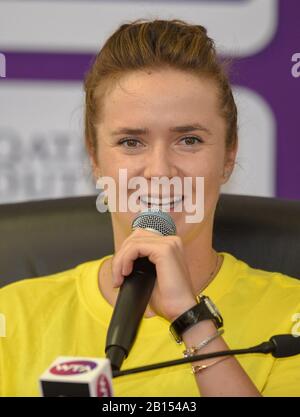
<point>111,160</point>
<point>209,166</point>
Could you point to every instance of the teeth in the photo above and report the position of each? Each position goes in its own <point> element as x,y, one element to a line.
<point>160,202</point>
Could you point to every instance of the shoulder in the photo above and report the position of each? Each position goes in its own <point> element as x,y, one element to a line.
<point>259,302</point>
<point>34,286</point>
<point>31,291</point>
<point>256,276</point>
<point>262,288</point>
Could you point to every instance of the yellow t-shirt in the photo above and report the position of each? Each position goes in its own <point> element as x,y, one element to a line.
<point>65,315</point>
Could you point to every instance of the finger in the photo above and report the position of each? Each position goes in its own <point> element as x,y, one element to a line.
<point>119,270</point>
<point>142,243</point>
<point>123,265</point>
<point>135,250</point>
<point>127,266</point>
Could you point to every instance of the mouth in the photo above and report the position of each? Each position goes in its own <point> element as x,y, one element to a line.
<point>160,203</point>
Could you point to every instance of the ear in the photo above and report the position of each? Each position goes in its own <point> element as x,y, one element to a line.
<point>229,163</point>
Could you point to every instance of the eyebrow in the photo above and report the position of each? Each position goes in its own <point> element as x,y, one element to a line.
<point>180,129</point>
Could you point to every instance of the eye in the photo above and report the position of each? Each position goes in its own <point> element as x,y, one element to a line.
<point>192,140</point>
<point>131,143</point>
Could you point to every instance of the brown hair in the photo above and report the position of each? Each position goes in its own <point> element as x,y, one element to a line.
<point>156,44</point>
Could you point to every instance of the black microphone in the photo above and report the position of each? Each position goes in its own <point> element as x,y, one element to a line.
<point>135,292</point>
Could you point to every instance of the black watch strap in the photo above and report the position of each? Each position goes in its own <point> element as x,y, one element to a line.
<point>204,310</point>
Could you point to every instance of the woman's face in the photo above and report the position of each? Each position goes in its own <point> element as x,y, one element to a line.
<point>158,102</point>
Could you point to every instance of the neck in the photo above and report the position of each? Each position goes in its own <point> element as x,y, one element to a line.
<point>202,260</point>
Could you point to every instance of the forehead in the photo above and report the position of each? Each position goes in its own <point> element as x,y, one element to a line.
<point>160,93</point>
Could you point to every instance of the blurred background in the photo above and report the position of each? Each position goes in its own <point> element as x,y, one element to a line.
<point>47,46</point>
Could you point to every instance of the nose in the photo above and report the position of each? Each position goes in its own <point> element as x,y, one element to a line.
<point>159,163</point>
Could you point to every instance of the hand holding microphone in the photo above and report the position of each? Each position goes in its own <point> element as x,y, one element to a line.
<point>172,293</point>
<point>149,268</point>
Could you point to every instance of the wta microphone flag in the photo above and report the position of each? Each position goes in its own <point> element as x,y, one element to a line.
<point>77,377</point>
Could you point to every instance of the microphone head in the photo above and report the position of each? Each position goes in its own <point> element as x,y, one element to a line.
<point>155,220</point>
<point>285,345</point>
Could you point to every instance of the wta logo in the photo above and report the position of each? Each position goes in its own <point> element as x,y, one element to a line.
<point>73,368</point>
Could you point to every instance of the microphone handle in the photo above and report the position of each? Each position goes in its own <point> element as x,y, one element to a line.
<point>133,297</point>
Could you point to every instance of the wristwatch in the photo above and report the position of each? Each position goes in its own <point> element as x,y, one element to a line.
<point>205,309</point>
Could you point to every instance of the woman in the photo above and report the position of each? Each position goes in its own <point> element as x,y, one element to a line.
<point>159,104</point>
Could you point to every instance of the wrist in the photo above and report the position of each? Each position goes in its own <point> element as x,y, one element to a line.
<point>203,310</point>
<point>192,335</point>
<point>184,307</point>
